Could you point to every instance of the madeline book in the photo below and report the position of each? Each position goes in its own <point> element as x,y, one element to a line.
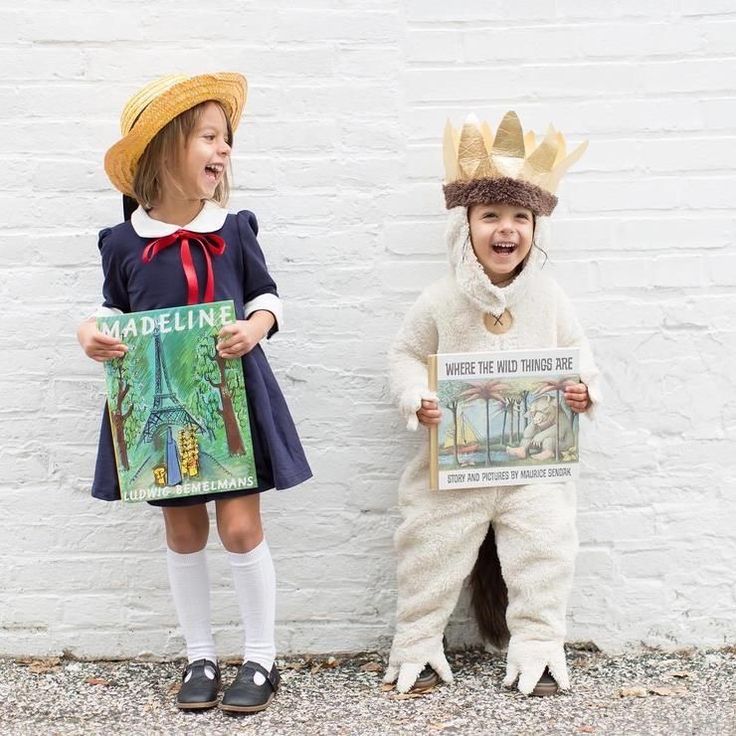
<point>504,418</point>
<point>178,410</point>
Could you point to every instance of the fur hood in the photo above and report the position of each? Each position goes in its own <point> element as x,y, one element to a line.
<point>470,276</point>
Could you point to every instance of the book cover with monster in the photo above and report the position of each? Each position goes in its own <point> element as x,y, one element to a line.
<point>178,410</point>
<point>504,418</point>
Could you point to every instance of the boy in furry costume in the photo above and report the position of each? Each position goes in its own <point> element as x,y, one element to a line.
<point>518,543</point>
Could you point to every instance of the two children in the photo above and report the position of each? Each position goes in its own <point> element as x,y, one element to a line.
<point>182,247</point>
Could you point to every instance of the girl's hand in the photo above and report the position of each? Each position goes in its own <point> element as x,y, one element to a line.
<point>430,413</point>
<point>98,346</point>
<point>576,396</point>
<point>239,338</point>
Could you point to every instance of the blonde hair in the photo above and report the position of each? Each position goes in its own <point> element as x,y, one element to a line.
<point>167,145</point>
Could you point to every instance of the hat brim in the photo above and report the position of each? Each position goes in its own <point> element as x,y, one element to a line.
<point>227,88</point>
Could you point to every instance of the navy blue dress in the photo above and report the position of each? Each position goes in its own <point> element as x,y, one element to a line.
<point>240,274</point>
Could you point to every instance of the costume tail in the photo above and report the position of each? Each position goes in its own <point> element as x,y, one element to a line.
<point>489,595</point>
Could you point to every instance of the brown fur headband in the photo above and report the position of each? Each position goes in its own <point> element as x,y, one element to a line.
<point>503,190</point>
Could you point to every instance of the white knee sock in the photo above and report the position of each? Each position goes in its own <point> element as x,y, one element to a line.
<point>255,586</point>
<point>190,588</point>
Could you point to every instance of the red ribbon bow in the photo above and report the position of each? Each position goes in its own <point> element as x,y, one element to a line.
<point>212,245</point>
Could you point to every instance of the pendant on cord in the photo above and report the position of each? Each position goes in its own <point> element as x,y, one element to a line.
<point>498,324</point>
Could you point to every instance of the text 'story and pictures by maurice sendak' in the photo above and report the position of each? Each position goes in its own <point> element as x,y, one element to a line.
<point>504,418</point>
<point>178,410</point>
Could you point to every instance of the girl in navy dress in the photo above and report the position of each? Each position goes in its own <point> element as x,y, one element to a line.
<point>180,246</point>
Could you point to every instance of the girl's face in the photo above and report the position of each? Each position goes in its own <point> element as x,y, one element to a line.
<point>501,235</point>
<point>205,154</point>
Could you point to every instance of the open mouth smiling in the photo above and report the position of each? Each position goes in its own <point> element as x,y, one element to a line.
<point>504,248</point>
<point>214,170</point>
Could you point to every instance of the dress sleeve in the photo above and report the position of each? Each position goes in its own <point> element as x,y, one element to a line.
<point>259,289</point>
<point>570,334</point>
<point>407,360</point>
<point>114,287</point>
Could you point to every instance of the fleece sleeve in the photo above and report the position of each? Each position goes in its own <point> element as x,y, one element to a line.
<point>407,359</point>
<point>570,334</point>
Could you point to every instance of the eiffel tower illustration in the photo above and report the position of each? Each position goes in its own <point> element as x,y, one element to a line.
<point>167,410</point>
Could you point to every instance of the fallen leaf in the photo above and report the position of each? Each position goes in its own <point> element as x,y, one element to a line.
<point>174,688</point>
<point>386,686</point>
<point>681,674</point>
<point>97,681</point>
<point>666,691</point>
<point>41,666</point>
<point>372,667</point>
<point>633,692</point>
<point>586,729</point>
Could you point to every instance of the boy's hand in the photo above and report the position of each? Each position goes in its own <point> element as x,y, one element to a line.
<point>430,413</point>
<point>576,396</point>
<point>97,345</point>
<point>238,338</point>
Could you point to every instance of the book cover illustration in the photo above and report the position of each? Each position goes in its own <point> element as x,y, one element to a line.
<point>504,418</point>
<point>178,410</point>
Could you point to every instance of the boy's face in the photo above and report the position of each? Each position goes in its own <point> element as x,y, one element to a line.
<point>501,235</point>
<point>205,156</point>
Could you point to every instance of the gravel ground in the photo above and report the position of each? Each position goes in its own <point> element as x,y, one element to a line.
<point>645,692</point>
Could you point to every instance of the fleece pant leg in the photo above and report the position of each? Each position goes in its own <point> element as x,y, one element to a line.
<point>437,545</point>
<point>536,540</point>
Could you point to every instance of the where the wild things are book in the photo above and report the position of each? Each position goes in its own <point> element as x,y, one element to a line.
<point>178,411</point>
<point>504,418</point>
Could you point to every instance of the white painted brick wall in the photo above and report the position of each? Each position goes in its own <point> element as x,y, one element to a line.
<point>339,155</point>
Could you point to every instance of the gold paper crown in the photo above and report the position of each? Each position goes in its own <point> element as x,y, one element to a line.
<point>509,167</point>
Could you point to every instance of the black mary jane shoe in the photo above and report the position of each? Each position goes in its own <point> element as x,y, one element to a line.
<point>547,685</point>
<point>244,696</point>
<point>198,691</point>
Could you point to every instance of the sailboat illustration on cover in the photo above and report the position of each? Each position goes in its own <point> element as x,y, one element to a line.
<point>468,439</point>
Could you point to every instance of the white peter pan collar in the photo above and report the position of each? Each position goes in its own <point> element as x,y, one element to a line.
<point>210,219</point>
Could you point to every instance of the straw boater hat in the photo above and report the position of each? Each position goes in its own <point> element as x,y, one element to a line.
<point>158,103</point>
<point>508,167</point>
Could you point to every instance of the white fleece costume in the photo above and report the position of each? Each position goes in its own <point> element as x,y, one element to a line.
<point>437,543</point>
